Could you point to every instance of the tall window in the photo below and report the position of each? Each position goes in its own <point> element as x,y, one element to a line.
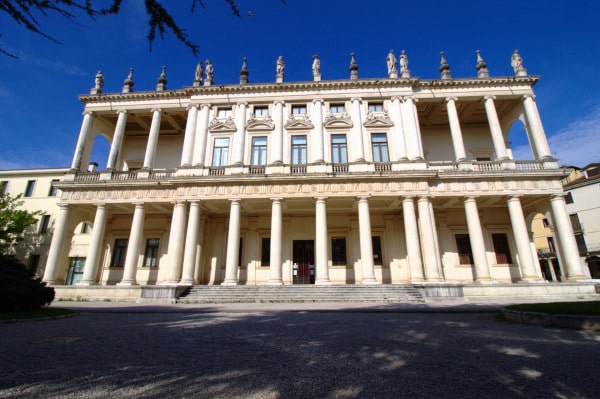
<point>338,251</point>
<point>377,253</point>
<point>34,263</point>
<point>463,247</point>
<point>53,190</point>
<point>338,148</point>
<point>75,273</point>
<point>220,151</point>
<point>569,198</point>
<point>376,107</point>
<point>240,251</point>
<point>86,228</point>
<point>298,150</point>
<point>265,251</point>
<point>380,147</point>
<point>298,109</point>
<point>29,188</point>
<point>500,242</point>
<point>261,112</point>
<point>578,230</point>
<point>44,223</point>
<point>551,246</point>
<point>3,187</point>
<point>119,252</point>
<point>575,223</point>
<point>151,253</point>
<point>337,108</point>
<point>259,151</point>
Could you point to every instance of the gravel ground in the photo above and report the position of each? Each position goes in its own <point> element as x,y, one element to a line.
<point>294,355</point>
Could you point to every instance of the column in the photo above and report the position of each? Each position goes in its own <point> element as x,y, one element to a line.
<point>411,130</point>
<point>277,137</point>
<point>430,254</point>
<point>566,239</point>
<point>317,152</point>
<point>275,277</point>
<point>411,233</point>
<point>239,137</point>
<point>58,237</point>
<point>356,147</point>
<point>540,142</point>
<point>482,268</point>
<point>366,241</point>
<point>83,137</point>
<point>117,140</point>
<point>133,246</point>
<point>321,261</point>
<point>398,140</point>
<point>517,220</point>
<point>191,244</point>
<point>233,244</point>
<point>176,240</point>
<point>92,261</point>
<point>152,139</point>
<point>188,139</point>
<point>495,129</point>
<point>455,130</point>
<point>201,136</point>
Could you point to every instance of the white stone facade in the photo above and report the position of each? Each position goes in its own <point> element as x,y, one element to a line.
<point>359,181</point>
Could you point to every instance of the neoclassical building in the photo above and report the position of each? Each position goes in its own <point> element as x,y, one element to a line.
<point>393,180</point>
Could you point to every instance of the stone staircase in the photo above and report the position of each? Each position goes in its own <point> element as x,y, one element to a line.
<point>385,293</point>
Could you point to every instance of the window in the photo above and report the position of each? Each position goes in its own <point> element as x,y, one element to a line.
<point>265,251</point>
<point>298,150</point>
<point>338,251</point>
<point>377,254</point>
<point>259,151</point>
<point>463,248</point>
<point>261,112</point>
<point>119,252</point>
<point>545,223</point>
<point>380,147</point>
<point>338,148</point>
<point>569,198</point>
<point>44,222</point>
<point>151,253</point>
<point>34,262</point>
<point>575,223</point>
<point>500,242</point>
<point>29,189</point>
<point>551,247</point>
<point>75,274</point>
<point>86,228</point>
<point>337,108</point>
<point>53,190</point>
<point>298,109</point>
<point>3,187</point>
<point>375,107</point>
<point>581,246</point>
<point>220,152</point>
<point>224,112</point>
<point>240,251</point>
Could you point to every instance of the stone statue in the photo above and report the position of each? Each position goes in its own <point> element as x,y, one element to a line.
<point>280,66</point>
<point>210,73</point>
<point>198,74</point>
<point>391,63</point>
<point>316,65</point>
<point>404,72</point>
<point>99,83</point>
<point>517,64</point>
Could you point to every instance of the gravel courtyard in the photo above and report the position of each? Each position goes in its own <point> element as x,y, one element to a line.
<point>294,355</point>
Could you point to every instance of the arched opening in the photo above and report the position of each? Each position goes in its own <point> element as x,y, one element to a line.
<point>518,141</point>
<point>78,252</point>
<point>98,153</point>
<point>544,245</point>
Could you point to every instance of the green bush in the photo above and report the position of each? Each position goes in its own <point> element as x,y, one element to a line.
<point>20,290</point>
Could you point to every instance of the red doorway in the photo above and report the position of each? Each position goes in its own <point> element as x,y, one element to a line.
<point>303,265</point>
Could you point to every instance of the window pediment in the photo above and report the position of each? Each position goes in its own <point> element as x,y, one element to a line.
<point>334,121</point>
<point>299,123</point>
<point>378,121</point>
<point>260,124</point>
<point>222,125</point>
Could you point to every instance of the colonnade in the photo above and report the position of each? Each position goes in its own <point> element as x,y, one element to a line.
<point>405,140</point>
<point>420,233</point>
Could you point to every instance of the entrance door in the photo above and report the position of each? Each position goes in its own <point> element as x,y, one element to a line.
<point>303,268</point>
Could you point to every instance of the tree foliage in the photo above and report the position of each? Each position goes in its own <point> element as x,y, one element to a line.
<point>13,222</point>
<point>20,290</point>
<point>28,12</point>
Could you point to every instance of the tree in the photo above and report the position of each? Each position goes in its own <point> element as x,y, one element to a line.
<point>28,12</point>
<point>13,222</point>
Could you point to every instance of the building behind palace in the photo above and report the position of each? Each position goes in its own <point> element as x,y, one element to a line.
<point>359,181</point>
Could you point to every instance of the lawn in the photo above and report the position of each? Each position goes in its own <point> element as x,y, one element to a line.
<point>590,308</point>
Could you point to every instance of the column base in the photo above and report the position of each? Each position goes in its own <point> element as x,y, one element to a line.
<point>274,282</point>
<point>369,282</point>
<point>127,283</point>
<point>186,282</point>
<point>323,282</point>
<point>229,283</point>
<point>579,277</point>
<point>86,283</point>
<point>485,281</point>
<point>532,279</point>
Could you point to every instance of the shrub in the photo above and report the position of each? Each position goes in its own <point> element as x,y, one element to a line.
<point>20,290</point>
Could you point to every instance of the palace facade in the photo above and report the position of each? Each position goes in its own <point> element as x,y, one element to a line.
<point>359,181</point>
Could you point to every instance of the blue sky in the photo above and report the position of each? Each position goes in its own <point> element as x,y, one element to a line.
<point>40,115</point>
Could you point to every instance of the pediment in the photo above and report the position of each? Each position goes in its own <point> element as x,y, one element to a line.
<point>222,126</point>
<point>333,123</point>
<point>379,121</point>
<point>260,124</point>
<point>299,124</point>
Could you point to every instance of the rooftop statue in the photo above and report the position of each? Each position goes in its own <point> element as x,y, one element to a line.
<point>198,73</point>
<point>404,72</point>
<point>517,64</point>
<point>210,73</point>
<point>316,65</point>
<point>99,84</point>
<point>280,69</point>
<point>391,64</point>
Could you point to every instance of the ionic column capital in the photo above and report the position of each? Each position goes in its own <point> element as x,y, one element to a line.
<point>276,102</point>
<point>87,113</point>
<point>363,198</point>
<point>485,98</point>
<point>121,111</point>
<point>395,98</point>
<point>321,199</point>
<point>205,105</point>
<point>526,96</point>
<point>318,100</point>
<point>453,99</point>
<point>353,99</point>
<point>470,198</point>
<point>190,106</point>
<point>242,104</point>
<point>153,110</point>
<point>277,199</point>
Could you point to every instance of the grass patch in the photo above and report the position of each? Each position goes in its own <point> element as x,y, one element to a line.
<point>589,308</point>
<point>36,314</point>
